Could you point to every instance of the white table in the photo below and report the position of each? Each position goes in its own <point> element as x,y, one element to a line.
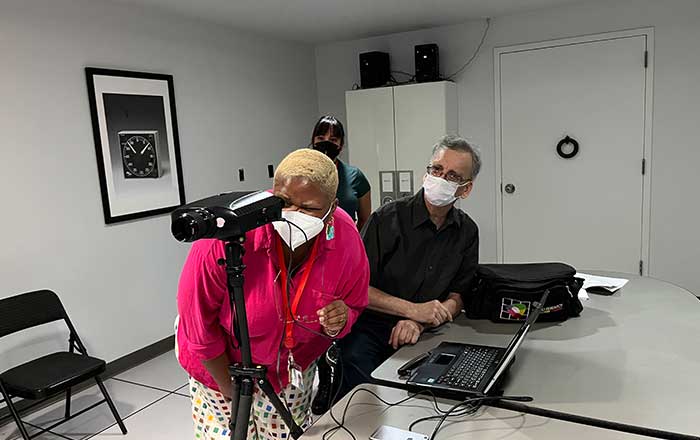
<point>633,357</point>
<point>366,413</point>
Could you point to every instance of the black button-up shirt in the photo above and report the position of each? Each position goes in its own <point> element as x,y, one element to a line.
<point>411,259</point>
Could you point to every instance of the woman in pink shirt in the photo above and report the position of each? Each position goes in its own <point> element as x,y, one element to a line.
<point>290,327</point>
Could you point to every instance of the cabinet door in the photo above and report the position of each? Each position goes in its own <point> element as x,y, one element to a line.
<point>422,114</point>
<point>370,137</point>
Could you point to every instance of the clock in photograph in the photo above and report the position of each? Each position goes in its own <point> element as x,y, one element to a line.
<point>139,152</point>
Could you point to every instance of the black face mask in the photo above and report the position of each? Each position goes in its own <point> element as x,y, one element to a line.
<point>328,148</point>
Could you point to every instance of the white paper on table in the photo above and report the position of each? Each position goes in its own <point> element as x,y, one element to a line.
<point>608,283</point>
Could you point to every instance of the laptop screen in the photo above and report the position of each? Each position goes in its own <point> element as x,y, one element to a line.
<point>533,313</point>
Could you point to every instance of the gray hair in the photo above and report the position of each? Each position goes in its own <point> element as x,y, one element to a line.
<point>456,143</point>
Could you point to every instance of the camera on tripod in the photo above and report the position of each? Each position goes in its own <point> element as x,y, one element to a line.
<point>225,216</point>
<point>228,217</point>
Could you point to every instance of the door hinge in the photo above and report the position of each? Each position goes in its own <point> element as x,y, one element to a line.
<point>641,267</point>
<point>501,187</point>
<point>646,59</point>
<point>644,166</point>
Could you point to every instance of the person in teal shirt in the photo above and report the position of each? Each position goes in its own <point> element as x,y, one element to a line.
<point>354,197</point>
<point>353,188</point>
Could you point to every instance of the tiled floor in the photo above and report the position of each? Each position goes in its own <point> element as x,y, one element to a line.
<point>151,398</point>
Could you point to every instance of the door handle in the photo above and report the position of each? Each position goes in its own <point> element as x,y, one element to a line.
<point>510,188</point>
<point>567,141</point>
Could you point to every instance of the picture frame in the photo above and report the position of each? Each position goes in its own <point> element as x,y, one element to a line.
<point>134,123</point>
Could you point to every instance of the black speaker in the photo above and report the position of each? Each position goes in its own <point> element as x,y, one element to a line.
<point>427,62</point>
<point>374,69</point>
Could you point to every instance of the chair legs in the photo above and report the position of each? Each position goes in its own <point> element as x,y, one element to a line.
<point>13,411</point>
<point>68,394</point>
<point>111,405</point>
<point>23,430</point>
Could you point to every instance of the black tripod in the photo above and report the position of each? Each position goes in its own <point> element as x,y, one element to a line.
<point>244,374</point>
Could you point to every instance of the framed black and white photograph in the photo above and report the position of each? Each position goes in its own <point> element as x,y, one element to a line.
<point>136,140</point>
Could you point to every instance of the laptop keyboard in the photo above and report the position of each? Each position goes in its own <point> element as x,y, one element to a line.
<point>470,368</point>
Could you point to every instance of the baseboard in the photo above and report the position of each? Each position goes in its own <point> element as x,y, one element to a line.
<point>139,356</point>
<point>114,368</point>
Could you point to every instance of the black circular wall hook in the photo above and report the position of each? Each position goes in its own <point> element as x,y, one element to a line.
<point>565,141</point>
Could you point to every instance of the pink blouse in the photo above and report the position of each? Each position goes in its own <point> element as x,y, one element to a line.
<point>340,271</point>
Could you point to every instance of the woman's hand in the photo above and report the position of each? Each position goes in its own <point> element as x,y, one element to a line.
<point>333,317</point>
<point>218,369</point>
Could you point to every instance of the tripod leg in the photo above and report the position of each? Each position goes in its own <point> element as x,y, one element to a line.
<point>282,410</point>
<point>239,428</point>
<point>235,398</point>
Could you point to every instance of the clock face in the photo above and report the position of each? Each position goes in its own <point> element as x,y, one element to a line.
<point>139,155</point>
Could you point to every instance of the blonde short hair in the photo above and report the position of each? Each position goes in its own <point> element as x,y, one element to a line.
<point>312,165</point>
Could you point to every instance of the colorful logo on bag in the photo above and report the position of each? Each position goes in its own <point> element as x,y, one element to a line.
<point>513,309</point>
<point>517,311</point>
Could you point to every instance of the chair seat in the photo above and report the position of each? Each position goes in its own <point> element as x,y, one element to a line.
<point>50,374</point>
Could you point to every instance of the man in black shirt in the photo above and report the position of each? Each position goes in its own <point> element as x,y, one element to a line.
<point>423,254</point>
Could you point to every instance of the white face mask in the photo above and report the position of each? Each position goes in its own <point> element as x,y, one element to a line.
<point>440,192</point>
<point>293,235</point>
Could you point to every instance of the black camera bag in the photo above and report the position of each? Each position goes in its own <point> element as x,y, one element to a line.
<point>504,292</point>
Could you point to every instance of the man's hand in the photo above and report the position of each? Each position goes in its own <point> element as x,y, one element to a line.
<point>405,332</point>
<point>432,313</point>
<point>333,317</point>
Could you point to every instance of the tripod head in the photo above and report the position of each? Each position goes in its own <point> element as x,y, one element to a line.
<point>227,216</point>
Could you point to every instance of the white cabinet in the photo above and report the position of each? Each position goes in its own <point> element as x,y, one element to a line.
<point>391,131</point>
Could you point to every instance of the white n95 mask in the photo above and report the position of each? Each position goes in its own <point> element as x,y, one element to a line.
<point>292,233</point>
<point>438,191</point>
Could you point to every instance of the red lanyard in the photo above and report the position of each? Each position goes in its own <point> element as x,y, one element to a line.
<point>289,314</point>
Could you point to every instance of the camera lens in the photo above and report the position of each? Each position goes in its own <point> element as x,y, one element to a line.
<point>193,225</point>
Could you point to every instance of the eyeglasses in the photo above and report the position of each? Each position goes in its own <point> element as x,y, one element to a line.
<point>438,171</point>
<point>299,318</point>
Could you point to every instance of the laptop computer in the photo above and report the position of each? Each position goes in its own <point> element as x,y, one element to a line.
<point>471,369</point>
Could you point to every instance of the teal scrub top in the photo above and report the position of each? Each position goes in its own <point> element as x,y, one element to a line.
<point>352,185</point>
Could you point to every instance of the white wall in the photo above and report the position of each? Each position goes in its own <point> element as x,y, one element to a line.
<point>242,101</point>
<point>675,240</point>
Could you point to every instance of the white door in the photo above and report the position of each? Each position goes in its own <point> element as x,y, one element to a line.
<point>370,123</point>
<point>423,113</point>
<point>586,210</point>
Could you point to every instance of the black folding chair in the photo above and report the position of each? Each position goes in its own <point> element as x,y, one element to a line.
<point>52,374</point>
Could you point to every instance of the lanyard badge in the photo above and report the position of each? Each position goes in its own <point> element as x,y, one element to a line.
<point>296,377</point>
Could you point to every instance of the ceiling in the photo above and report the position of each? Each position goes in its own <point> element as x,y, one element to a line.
<point>319,21</point>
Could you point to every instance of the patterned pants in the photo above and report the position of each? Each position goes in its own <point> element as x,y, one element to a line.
<point>211,412</point>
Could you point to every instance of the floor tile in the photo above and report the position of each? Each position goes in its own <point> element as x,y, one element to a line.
<point>9,431</point>
<point>127,397</point>
<point>167,419</point>
<point>163,372</point>
<point>183,391</point>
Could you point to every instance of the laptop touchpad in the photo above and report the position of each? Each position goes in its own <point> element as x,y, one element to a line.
<point>444,359</point>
